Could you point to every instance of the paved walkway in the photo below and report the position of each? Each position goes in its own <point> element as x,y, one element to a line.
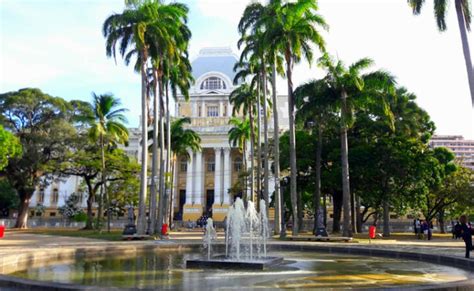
<point>20,242</point>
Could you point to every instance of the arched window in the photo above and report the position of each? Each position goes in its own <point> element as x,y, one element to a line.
<point>183,165</point>
<point>238,164</point>
<point>213,83</point>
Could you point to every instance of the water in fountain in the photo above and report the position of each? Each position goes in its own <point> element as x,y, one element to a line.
<point>246,227</point>
<point>209,236</point>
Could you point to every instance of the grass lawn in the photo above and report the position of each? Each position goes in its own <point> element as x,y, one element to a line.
<point>114,235</point>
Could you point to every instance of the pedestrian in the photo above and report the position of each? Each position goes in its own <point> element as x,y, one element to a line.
<point>424,229</point>
<point>457,230</point>
<point>466,234</point>
<point>417,227</point>
<point>453,229</point>
<point>430,229</point>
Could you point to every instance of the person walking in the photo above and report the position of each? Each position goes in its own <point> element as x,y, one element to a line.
<point>466,234</point>
<point>416,226</point>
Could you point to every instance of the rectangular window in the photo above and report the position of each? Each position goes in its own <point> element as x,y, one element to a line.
<point>211,165</point>
<point>55,196</point>
<point>52,214</point>
<point>212,111</point>
<point>183,167</point>
<point>41,196</point>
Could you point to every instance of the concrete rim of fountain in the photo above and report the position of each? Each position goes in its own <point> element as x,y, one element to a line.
<point>44,254</point>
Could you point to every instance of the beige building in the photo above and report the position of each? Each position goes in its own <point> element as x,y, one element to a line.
<point>462,148</point>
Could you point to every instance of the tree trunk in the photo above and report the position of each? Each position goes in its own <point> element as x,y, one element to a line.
<point>317,192</point>
<point>386,218</point>
<point>293,169</point>
<point>358,215</point>
<point>90,202</point>
<point>162,196</point>
<point>141,223</point>
<point>353,212</point>
<point>252,154</point>
<point>167,180</point>
<point>154,160</point>
<point>441,221</point>
<point>276,155</point>
<point>266,155</point>
<point>346,194</point>
<point>465,48</point>
<point>259,148</point>
<point>22,219</point>
<point>336,216</point>
<point>325,212</point>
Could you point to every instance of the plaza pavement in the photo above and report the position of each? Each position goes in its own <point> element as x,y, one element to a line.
<point>17,241</point>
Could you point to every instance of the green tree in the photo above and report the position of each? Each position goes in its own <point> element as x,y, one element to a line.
<point>292,33</point>
<point>44,126</point>
<point>108,129</point>
<point>239,135</point>
<point>243,99</point>
<point>126,32</point>
<point>8,198</point>
<point>9,147</point>
<point>315,103</point>
<point>354,90</point>
<point>463,12</point>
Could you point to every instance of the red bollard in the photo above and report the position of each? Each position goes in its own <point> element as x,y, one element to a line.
<point>2,230</point>
<point>372,230</point>
<point>164,229</point>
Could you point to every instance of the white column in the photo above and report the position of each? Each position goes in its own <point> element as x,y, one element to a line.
<point>199,174</point>
<point>217,176</point>
<point>203,109</point>
<point>221,109</point>
<point>194,108</point>
<point>189,178</point>
<point>227,175</point>
<point>229,109</point>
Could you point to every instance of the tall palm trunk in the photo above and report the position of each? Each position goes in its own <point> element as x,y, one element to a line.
<point>154,165</point>
<point>252,154</point>
<point>276,154</point>
<point>102,186</point>
<point>291,116</point>
<point>317,193</point>
<point>141,224</point>
<point>162,198</point>
<point>465,48</point>
<point>265,141</point>
<point>346,194</point>
<point>259,146</point>
<point>168,185</point>
<point>386,217</point>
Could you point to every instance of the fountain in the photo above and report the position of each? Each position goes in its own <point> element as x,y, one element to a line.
<point>245,240</point>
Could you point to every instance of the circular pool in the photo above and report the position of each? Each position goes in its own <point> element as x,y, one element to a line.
<point>163,269</point>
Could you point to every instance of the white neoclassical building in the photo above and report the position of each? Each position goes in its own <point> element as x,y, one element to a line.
<point>203,181</point>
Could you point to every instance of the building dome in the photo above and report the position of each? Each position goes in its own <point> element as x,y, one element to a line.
<point>213,69</point>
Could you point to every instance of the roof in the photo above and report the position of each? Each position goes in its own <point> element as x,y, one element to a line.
<point>220,60</point>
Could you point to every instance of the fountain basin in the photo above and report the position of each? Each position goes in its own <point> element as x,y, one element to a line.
<point>221,262</point>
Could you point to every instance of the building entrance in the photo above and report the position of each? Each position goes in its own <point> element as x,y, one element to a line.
<point>209,202</point>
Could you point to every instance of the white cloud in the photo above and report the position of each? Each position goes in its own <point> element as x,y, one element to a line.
<point>227,10</point>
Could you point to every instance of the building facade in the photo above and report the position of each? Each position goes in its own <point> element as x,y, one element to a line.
<point>203,180</point>
<point>463,149</point>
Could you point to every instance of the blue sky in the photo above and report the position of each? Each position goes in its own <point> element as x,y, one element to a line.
<point>57,46</point>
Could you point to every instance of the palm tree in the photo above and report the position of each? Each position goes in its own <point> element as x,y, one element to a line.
<point>128,31</point>
<point>239,135</point>
<point>107,127</point>
<point>315,103</point>
<point>292,31</point>
<point>244,99</point>
<point>147,28</point>
<point>463,12</point>
<point>354,89</point>
<point>182,139</point>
